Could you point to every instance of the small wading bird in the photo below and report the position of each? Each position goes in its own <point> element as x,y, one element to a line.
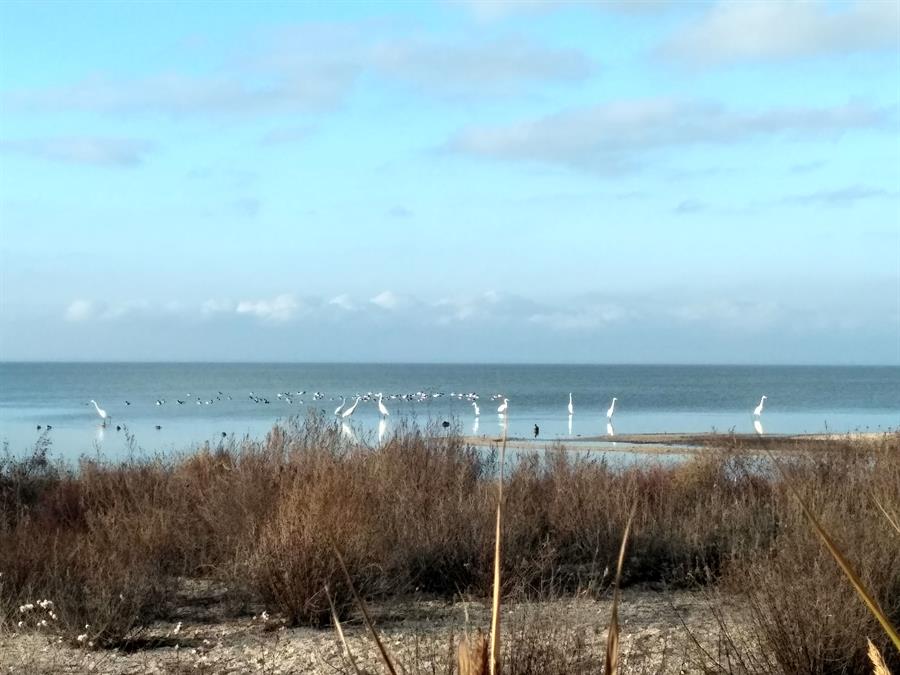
<point>612,409</point>
<point>571,408</point>
<point>101,412</point>
<point>337,411</point>
<point>503,407</point>
<point>382,408</point>
<point>352,409</point>
<point>759,409</point>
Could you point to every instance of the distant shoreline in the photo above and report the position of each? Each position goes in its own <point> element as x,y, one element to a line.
<point>677,443</point>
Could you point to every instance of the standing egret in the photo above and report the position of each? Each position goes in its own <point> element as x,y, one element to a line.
<point>337,411</point>
<point>101,412</point>
<point>503,407</point>
<point>759,409</point>
<point>352,409</point>
<point>477,411</point>
<point>381,407</point>
<point>612,409</point>
<point>571,408</point>
<point>348,433</point>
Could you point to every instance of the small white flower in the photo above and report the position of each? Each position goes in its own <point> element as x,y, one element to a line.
<point>82,637</point>
<point>46,604</point>
<point>21,624</point>
<point>177,628</point>
<point>264,616</point>
<point>87,626</point>
<point>26,608</point>
<point>42,623</point>
<point>53,616</point>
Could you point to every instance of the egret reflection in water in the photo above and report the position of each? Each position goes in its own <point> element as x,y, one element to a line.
<point>570,424</point>
<point>382,429</point>
<point>348,432</point>
<point>758,427</point>
<point>610,430</point>
<point>475,427</point>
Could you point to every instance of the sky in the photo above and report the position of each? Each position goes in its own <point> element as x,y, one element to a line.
<point>456,180</point>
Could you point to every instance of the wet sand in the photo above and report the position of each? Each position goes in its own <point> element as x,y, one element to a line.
<point>677,444</point>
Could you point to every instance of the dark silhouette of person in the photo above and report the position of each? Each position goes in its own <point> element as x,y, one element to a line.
<point>537,430</point>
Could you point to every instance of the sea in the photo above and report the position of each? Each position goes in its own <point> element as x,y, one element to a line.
<point>159,408</point>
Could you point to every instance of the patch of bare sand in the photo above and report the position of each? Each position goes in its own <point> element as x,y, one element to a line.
<point>657,635</point>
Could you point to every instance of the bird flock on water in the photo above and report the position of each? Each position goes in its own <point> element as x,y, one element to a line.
<point>345,409</point>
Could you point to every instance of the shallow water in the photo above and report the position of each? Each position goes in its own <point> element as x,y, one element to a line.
<point>802,399</point>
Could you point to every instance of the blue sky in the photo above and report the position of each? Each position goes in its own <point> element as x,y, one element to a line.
<point>451,181</point>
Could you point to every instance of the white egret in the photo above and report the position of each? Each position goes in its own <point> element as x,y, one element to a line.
<point>101,412</point>
<point>612,409</point>
<point>339,409</point>
<point>477,410</point>
<point>348,433</point>
<point>352,409</point>
<point>381,407</point>
<point>571,408</point>
<point>759,409</point>
<point>503,407</point>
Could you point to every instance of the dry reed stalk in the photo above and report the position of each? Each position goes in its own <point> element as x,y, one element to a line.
<point>891,519</point>
<point>839,558</point>
<point>495,605</point>
<point>612,637</point>
<point>473,655</point>
<point>365,612</point>
<point>878,665</point>
<point>340,632</point>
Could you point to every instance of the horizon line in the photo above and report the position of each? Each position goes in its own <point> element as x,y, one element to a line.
<point>449,363</point>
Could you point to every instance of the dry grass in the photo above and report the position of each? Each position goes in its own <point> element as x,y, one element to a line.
<point>107,542</point>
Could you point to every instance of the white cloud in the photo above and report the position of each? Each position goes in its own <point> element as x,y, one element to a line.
<point>312,68</point>
<point>280,308</point>
<point>583,316</point>
<point>491,10</point>
<point>490,67</point>
<point>343,301</point>
<point>614,137</point>
<point>735,314</point>
<point>80,310</point>
<point>211,307</point>
<point>83,150</point>
<point>386,300</point>
<point>734,30</point>
<point>846,196</point>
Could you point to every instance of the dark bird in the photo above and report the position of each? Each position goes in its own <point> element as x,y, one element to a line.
<point>49,427</point>
<point>445,424</point>
<point>118,428</point>
<point>224,434</point>
<point>127,402</point>
<point>158,426</point>
<point>39,427</point>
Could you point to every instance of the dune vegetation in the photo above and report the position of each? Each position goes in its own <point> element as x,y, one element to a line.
<point>95,553</point>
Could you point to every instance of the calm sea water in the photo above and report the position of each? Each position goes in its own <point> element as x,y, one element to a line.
<point>801,399</point>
